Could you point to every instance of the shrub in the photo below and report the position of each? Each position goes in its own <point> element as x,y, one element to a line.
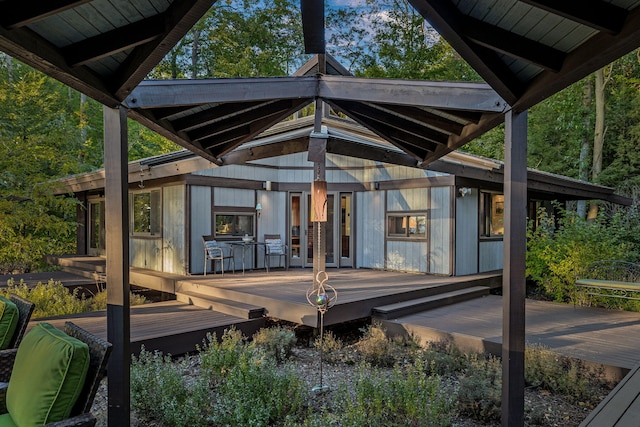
<point>330,346</point>
<point>480,390</point>
<point>219,357</point>
<point>404,398</point>
<point>375,347</point>
<point>161,391</point>
<point>560,375</point>
<point>255,392</point>
<point>443,358</point>
<point>99,300</point>
<point>556,258</point>
<point>276,342</point>
<point>50,299</point>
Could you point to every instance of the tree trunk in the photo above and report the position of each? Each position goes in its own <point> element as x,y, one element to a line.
<point>83,125</point>
<point>195,53</point>
<point>598,136</point>
<point>583,167</point>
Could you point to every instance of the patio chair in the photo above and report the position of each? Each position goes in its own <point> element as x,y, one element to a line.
<point>274,247</point>
<point>55,377</point>
<point>214,251</point>
<point>25,310</point>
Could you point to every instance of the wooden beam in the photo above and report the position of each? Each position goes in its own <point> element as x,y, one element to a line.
<point>313,25</point>
<point>596,14</point>
<point>368,152</point>
<point>114,41</point>
<point>514,269</point>
<point>242,156</point>
<point>179,18</point>
<point>117,242</point>
<point>513,45</point>
<point>446,19</point>
<point>22,13</point>
<point>415,93</point>
<point>171,93</point>
<point>595,53</point>
<point>421,116</point>
<point>217,112</point>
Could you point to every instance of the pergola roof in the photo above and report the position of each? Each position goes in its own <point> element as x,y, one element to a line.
<point>525,50</point>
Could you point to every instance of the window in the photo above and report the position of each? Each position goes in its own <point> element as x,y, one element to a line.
<point>145,208</point>
<point>234,225</point>
<point>407,226</point>
<point>491,214</point>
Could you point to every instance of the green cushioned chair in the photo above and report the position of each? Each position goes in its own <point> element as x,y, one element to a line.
<point>25,310</point>
<point>8,322</point>
<point>55,378</point>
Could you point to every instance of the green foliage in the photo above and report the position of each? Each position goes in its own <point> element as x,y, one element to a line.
<point>99,300</point>
<point>561,375</point>
<point>219,357</point>
<point>480,390</point>
<point>409,397</point>
<point>163,392</point>
<point>557,258</point>
<point>330,346</point>
<point>443,358</point>
<point>375,347</point>
<point>276,342</point>
<point>50,299</point>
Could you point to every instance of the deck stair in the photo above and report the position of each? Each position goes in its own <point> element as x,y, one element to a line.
<point>405,308</point>
<point>221,305</point>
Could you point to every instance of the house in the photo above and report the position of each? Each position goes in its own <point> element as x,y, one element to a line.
<point>382,214</point>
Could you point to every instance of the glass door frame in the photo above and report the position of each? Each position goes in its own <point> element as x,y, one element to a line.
<point>96,248</point>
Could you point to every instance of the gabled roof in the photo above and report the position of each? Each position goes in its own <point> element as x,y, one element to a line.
<point>526,50</point>
<point>346,138</point>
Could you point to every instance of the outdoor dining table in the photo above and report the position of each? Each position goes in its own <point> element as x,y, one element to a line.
<point>243,244</point>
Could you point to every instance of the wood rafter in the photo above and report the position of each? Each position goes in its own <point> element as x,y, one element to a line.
<point>446,19</point>
<point>503,41</point>
<point>596,14</point>
<point>423,117</point>
<point>111,42</point>
<point>19,14</point>
<point>215,114</point>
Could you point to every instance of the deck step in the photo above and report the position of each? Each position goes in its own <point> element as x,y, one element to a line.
<point>221,305</point>
<point>405,308</point>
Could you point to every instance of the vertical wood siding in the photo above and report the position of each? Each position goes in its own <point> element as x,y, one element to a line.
<point>234,197</point>
<point>370,236</point>
<point>467,234</point>
<point>200,225</point>
<point>273,219</point>
<point>407,256</point>
<point>440,231</point>
<point>174,240</point>
<point>491,255</point>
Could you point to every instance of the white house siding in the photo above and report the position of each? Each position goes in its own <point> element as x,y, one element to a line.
<point>174,229</point>
<point>272,219</point>
<point>409,199</point>
<point>407,256</point>
<point>440,217</point>
<point>234,197</point>
<point>491,255</point>
<point>145,252</point>
<point>370,229</point>
<point>200,218</point>
<point>467,234</point>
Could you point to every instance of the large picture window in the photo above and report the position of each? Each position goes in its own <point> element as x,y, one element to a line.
<point>234,224</point>
<point>145,212</point>
<point>402,225</point>
<point>491,214</point>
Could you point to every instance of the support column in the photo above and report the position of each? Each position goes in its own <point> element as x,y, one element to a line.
<point>117,242</point>
<point>513,282</point>
<point>317,155</point>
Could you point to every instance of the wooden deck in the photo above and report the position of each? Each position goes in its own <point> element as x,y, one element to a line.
<point>170,327</point>
<point>597,336</point>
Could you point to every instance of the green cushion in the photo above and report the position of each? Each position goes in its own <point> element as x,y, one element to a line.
<point>8,321</point>
<point>7,421</point>
<point>47,377</point>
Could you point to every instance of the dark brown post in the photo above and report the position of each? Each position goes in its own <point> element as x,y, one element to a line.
<point>513,282</point>
<point>317,155</point>
<point>117,242</point>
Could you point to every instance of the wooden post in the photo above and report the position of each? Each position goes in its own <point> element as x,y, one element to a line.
<point>317,155</point>
<point>117,242</point>
<point>513,282</point>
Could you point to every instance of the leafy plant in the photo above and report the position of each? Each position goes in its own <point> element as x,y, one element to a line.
<point>330,346</point>
<point>480,390</point>
<point>276,342</point>
<point>219,357</point>
<point>50,299</point>
<point>375,347</point>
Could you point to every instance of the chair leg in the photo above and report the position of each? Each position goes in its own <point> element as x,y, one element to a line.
<point>205,265</point>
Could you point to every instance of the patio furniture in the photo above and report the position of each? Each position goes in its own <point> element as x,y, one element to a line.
<point>611,278</point>
<point>55,377</point>
<point>244,245</point>
<point>214,251</point>
<point>24,311</point>
<point>274,247</point>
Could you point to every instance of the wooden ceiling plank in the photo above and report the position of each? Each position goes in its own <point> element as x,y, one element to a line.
<point>445,18</point>
<point>596,14</point>
<point>368,152</point>
<point>215,113</point>
<point>513,45</point>
<point>400,123</point>
<point>598,51</point>
<point>114,41</point>
<point>19,14</point>
<point>234,121</point>
<point>260,126</point>
<point>33,50</point>
<point>168,112</point>
<point>168,93</point>
<point>424,117</point>
<point>179,18</point>
<point>458,95</point>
